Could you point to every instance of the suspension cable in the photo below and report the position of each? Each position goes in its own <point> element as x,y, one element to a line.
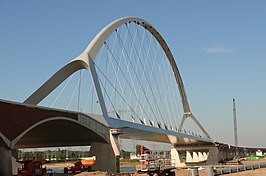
<point>73,93</point>
<point>145,74</point>
<point>137,76</point>
<point>62,90</point>
<point>123,75</point>
<point>112,87</point>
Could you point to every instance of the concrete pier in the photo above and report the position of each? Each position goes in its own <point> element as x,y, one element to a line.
<point>105,157</point>
<point>107,154</point>
<point>5,162</point>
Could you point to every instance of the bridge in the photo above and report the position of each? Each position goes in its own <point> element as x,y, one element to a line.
<point>134,90</point>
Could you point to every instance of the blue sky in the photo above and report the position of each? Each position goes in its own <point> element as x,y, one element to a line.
<point>219,46</point>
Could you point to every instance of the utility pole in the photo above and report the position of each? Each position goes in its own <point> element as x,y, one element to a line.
<point>235,126</point>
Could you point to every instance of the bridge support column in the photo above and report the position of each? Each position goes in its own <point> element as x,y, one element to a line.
<point>189,157</point>
<point>205,156</point>
<point>107,155</point>
<point>201,158</point>
<point>5,161</point>
<point>175,157</point>
<point>213,156</point>
<point>195,157</point>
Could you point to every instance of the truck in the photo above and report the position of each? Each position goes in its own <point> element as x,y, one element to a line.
<point>84,164</point>
<point>153,166</point>
<point>31,167</point>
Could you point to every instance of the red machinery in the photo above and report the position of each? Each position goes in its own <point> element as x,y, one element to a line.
<point>83,165</point>
<point>31,167</point>
<point>152,165</point>
<point>144,150</point>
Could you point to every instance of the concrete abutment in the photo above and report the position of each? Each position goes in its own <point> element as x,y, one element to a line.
<point>8,165</point>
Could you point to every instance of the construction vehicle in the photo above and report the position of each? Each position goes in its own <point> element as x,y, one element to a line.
<point>154,166</point>
<point>84,164</point>
<point>31,167</point>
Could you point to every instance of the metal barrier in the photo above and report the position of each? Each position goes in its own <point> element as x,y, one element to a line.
<point>229,169</point>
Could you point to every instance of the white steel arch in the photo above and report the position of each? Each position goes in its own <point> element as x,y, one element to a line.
<point>85,61</point>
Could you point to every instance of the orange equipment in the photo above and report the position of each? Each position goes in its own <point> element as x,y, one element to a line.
<point>144,150</point>
<point>83,165</point>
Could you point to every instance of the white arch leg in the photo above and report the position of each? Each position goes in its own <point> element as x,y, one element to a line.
<point>81,62</point>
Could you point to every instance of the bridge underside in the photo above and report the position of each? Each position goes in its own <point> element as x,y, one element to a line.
<point>28,126</point>
<point>129,133</point>
<point>130,130</point>
<point>58,133</point>
<point>2,143</point>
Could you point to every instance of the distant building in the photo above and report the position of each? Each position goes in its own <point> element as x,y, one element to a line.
<point>133,156</point>
<point>259,153</point>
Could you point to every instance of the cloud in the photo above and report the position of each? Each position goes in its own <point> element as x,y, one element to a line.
<point>217,50</point>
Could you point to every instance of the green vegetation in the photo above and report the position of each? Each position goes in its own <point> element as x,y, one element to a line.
<point>125,154</point>
<point>53,155</point>
<point>128,161</point>
<point>252,158</point>
<point>138,149</point>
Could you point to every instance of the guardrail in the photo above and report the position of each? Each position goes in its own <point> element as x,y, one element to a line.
<point>220,170</point>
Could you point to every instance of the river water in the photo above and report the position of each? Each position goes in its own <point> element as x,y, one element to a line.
<point>128,169</point>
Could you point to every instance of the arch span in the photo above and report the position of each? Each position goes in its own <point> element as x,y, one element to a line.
<point>82,61</point>
<point>55,132</point>
<point>85,61</point>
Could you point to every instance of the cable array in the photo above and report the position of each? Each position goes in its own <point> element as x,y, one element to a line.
<point>137,80</point>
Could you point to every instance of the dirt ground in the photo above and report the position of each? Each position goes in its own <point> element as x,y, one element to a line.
<point>257,172</point>
<point>179,172</point>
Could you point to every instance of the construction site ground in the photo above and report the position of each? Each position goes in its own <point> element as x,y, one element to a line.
<point>257,172</point>
<point>184,172</point>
